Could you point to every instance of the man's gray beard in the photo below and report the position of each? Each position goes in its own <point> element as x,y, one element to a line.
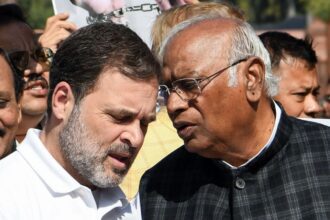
<point>86,155</point>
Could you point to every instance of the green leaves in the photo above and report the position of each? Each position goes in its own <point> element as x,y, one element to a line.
<point>37,11</point>
<point>318,8</point>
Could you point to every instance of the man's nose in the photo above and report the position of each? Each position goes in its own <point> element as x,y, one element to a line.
<point>311,106</point>
<point>175,105</point>
<point>33,67</point>
<point>133,135</point>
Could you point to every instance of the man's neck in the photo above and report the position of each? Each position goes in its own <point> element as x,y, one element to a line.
<point>258,131</point>
<point>27,122</point>
<point>50,138</point>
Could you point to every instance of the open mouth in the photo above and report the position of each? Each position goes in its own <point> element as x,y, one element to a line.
<point>36,85</point>
<point>184,129</point>
<point>119,160</point>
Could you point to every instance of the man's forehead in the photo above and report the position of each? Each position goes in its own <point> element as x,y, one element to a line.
<point>208,33</point>
<point>207,27</point>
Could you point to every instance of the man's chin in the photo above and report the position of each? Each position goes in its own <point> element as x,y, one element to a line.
<point>110,181</point>
<point>34,109</point>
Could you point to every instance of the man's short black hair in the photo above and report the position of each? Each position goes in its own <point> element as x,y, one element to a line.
<point>98,47</point>
<point>11,13</point>
<point>281,44</point>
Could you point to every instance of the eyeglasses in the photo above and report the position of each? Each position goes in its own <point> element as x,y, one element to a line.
<point>42,55</point>
<point>190,88</point>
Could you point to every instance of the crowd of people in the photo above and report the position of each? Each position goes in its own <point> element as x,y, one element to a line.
<point>76,104</point>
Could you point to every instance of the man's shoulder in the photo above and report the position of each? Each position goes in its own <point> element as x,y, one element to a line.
<point>178,167</point>
<point>308,138</point>
<point>13,176</point>
<point>13,170</point>
<point>310,129</point>
<point>11,164</point>
<point>174,159</point>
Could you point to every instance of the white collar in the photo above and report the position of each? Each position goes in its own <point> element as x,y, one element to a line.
<point>44,164</point>
<point>55,176</point>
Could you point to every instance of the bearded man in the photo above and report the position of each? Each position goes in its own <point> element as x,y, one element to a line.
<point>103,92</point>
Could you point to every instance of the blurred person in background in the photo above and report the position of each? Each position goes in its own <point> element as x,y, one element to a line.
<point>294,61</point>
<point>32,58</point>
<point>11,88</point>
<point>326,101</point>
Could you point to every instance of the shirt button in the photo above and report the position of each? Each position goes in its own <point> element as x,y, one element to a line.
<point>239,183</point>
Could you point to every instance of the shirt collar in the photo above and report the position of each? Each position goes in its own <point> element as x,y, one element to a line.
<point>60,181</point>
<point>43,163</point>
<point>109,199</point>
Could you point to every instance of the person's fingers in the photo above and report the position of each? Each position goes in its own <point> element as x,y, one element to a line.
<point>61,24</point>
<point>53,19</point>
<point>57,30</point>
<point>52,40</point>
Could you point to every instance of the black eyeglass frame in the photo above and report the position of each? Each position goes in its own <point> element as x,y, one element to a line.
<point>21,59</point>
<point>196,83</point>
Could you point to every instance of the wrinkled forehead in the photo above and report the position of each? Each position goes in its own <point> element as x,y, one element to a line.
<point>16,36</point>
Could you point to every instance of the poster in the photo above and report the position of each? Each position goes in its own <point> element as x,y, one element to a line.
<point>138,15</point>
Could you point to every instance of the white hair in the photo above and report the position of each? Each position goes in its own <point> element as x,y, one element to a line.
<point>244,43</point>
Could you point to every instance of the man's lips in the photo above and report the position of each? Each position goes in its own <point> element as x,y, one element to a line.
<point>38,87</point>
<point>184,129</point>
<point>36,84</point>
<point>120,160</point>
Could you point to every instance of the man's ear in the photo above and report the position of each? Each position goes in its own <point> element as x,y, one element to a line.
<point>254,76</point>
<point>62,101</point>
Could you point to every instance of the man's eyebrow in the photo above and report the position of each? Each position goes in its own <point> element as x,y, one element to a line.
<point>120,112</point>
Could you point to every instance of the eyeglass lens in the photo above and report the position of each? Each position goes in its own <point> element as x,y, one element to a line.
<point>20,59</point>
<point>186,88</point>
<point>43,54</point>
